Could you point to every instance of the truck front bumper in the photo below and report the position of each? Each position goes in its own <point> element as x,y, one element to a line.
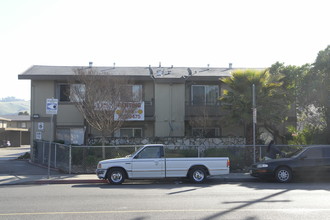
<point>101,173</point>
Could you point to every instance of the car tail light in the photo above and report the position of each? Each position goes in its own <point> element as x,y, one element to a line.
<point>228,163</point>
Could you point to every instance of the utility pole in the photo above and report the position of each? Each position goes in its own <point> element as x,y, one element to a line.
<point>254,112</point>
<point>51,109</point>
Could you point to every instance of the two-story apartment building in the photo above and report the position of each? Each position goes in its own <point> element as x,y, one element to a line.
<point>178,102</point>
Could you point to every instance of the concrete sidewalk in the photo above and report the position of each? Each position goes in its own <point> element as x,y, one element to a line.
<point>43,179</point>
<point>92,178</point>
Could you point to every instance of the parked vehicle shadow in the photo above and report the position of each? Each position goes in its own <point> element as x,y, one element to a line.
<point>170,183</point>
<point>310,183</point>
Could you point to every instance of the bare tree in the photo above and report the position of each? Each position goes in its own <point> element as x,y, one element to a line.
<point>104,100</point>
<point>202,121</point>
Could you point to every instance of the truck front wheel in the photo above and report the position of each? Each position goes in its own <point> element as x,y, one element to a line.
<point>116,176</point>
<point>197,175</point>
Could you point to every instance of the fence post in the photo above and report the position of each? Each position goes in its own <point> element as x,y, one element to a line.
<point>43,152</point>
<point>34,144</point>
<point>55,147</point>
<point>70,158</point>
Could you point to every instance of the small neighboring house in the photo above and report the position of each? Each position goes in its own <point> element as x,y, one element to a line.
<point>15,129</point>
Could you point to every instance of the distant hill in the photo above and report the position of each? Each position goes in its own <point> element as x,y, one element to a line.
<point>14,107</point>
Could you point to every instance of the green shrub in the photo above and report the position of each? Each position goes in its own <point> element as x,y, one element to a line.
<point>24,156</point>
<point>91,160</point>
<point>80,155</point>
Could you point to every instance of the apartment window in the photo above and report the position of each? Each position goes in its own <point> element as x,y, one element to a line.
<point>206,132</point>
<point>204,94</point>
<point>70,135</point>
<point>70,92</point>
<point>130,132</point>
<point>132,93</point>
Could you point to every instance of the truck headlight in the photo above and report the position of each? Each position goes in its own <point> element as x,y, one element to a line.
<point>262,165</point>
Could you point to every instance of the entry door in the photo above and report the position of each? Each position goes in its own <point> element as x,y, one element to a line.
<point>149,163</point>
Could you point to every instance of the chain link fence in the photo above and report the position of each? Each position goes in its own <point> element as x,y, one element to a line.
<point>84,159</point>
<point>59,155</point>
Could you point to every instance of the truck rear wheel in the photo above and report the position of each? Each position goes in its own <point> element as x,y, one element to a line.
<point>197,175</point>
<point>116,176</point>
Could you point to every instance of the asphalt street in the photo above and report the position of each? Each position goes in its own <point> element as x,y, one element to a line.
<point>142,201</point>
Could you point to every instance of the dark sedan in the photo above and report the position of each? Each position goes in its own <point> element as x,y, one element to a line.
<point>309,161</point>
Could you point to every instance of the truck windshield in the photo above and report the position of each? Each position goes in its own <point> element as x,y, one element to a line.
<point>139,148</point>
<point>298,153</point>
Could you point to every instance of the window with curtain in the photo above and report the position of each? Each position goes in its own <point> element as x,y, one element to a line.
<point>204,94</point>
<point>129,132</point>
<point>131,93</point>
<point>70,135</point>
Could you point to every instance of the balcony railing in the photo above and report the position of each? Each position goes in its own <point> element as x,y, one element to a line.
<point>207,109</point>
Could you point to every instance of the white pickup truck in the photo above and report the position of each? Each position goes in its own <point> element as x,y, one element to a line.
<point>150,162</point>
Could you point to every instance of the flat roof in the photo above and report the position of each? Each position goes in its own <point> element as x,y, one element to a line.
<point>15,117</point>
<point>157,72</point>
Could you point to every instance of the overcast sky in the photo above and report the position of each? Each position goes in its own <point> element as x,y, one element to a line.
<point>185,33</point>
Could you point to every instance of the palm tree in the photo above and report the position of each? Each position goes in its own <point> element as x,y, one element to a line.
<point>272,102</point>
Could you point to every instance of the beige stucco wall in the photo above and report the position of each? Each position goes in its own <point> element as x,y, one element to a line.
<point>148,91</point>
<point>40,91</point>
<point>68,115</point>
<point>169,109</point>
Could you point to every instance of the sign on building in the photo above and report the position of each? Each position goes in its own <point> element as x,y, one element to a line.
<point>137,115</point>
<point>38,135</point>
<point>41,126</point>
<point>51,106</point>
